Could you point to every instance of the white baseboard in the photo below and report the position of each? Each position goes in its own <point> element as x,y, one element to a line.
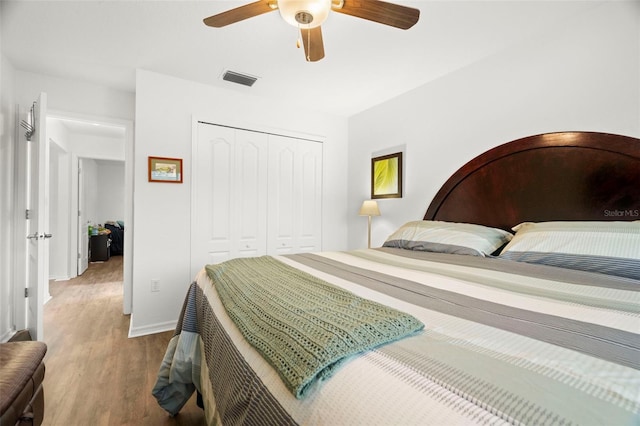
<point>152,328</point>
<point>61,278</point>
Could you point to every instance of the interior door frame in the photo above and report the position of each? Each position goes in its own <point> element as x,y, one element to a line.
<point>82,259</point>
<point>21,156</point>
<point>128,126</point>
<point>31,285</point>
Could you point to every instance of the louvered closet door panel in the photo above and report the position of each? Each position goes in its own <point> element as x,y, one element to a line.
<point>213,224</point>
<point>251,191</point>
<point>283,194</point>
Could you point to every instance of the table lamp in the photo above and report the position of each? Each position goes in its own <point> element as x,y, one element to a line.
<point>369,208</point>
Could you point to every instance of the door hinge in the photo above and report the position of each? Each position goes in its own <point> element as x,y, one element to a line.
<point>79,213</point>
<point>26,292</point>
<point>26,214</point>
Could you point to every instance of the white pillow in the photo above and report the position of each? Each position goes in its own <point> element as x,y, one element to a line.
<point>611,248</point>
<point>448,237</point>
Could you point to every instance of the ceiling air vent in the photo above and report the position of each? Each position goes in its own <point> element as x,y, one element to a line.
<point>236,77</point>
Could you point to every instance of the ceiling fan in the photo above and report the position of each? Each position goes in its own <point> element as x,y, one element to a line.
<point>308,16</point>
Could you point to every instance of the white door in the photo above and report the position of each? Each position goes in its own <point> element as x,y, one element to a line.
<point>284,193</point>
<point>250,188</point>
<point>295,195</point>
<point>83,223</point>
<point>229,195</point>
<point>38,221</point>
<point>309,231</point>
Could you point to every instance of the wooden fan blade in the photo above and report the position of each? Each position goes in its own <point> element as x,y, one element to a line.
<point>312,41</point>
<point>381,12</point>
<point>240,13</point>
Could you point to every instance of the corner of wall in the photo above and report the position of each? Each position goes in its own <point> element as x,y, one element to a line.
<point>7,188</point>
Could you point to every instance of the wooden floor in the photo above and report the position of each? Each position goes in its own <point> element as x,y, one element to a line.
<point>95,374</point>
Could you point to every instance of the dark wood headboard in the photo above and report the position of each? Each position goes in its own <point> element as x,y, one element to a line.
<point>553,176</point>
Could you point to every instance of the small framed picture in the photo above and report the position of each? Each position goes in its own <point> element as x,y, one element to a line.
<point>162,169</point>
<point>386,176</point>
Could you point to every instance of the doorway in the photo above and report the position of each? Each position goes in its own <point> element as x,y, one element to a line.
<point>106,147</point>
<point>101,197</point>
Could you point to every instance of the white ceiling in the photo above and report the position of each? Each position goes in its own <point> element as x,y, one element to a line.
<point>366,63</point>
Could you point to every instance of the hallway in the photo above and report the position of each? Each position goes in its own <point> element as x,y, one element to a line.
<point>95,374</point>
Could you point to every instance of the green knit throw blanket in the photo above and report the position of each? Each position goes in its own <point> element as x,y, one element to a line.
<point>303,326</point>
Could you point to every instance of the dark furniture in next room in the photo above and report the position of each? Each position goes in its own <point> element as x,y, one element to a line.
<point>117,238</point>
<point>99,250</point>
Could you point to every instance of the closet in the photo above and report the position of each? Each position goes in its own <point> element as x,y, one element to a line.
<point>253,194</point>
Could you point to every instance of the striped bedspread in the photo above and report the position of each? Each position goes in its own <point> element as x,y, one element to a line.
<point>303,326</point>
<point>504,343</point>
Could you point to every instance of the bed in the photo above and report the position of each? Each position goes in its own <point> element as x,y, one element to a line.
<point>471,324</point>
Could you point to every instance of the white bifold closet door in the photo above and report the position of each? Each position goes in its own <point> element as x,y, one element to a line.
<point>253,194</point>
<point>295,195</point>
<point>229,210</point>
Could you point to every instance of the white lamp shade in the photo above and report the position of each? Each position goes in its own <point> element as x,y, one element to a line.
<point>369,208</point>
<point>318,9</point>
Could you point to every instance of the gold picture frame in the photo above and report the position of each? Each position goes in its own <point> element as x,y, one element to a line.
<point>163,169</point>
<point>386,176</point>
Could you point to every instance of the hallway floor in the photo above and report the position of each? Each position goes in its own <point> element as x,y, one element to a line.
<point>95,374</point>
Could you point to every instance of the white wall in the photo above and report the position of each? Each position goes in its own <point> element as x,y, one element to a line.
<point>61,261</point>
<point>110,191</point>
<point>7,151</point>
<point>74,96</point>
<point>582,76</point>
<point>90,176</point>
<point>60,216</point>
<point>58,133</point>
<point>100,147</point>
<point>164,110</point>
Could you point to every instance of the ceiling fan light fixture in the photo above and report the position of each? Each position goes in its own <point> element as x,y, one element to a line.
<point>308,13</point>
